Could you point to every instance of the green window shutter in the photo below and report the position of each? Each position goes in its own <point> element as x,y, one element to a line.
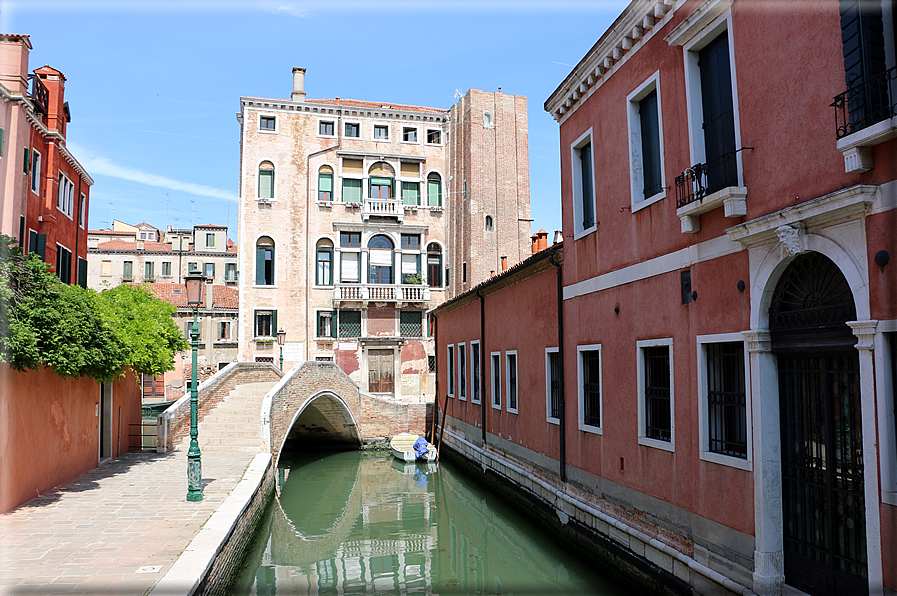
<point>266,184</point>
<point>26,167</point>
<point>325,182</point>
<point>411,193</point>
<point>273,323</point>
<point>2,140</point>
<point>351,191</point>
<point>259,265</point>
<point>255,323</point>
<point>82,272</point>
<point>434,193</point>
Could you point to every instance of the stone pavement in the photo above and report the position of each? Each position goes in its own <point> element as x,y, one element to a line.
<point>114,530</point>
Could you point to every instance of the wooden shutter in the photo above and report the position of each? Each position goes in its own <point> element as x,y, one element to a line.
<point>650,129</point>
<point>273,323</point>
<point>41,246</point>
<point>719,113</point>
<point>266,184</point>
<point>82,272</point>
<point>588,199</point>
<point>259,265</point>
<point>862,36</point>
<point>255,323</point>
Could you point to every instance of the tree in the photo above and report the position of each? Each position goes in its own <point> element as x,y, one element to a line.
<point>44,322</point>
<point>144,326</point>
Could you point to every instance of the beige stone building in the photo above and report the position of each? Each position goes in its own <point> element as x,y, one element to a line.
<point>356,217</point>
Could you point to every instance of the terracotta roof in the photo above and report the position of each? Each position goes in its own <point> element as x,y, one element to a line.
<point>111,233</point>
<point>359,103</point>
<point>226,297</point>
<point>222,296</point>
<point>148,246</point>
<point>231,247</point>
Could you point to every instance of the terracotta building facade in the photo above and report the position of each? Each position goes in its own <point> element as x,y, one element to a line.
<point>352,226</point>
<point>720,405</point>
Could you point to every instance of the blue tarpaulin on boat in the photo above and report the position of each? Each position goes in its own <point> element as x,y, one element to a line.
<point>420,447</point>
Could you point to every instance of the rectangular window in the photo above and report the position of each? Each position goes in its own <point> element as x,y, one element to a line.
<point>475,370</point>
<point>351,190</point>
<point>166,268</point>
<point>35,171</point>
<point>434,137</point>
<point>496,380</point>
<point>266,184</point>
<point>450,365</point>
<point>65,195</point>
<point>82,272</point>
<point>726,399</point>
<point>718,112</point>
<point>267,123</point>
<point>645,144</point>
<point>381,132</point>
<point>325,186</point>
<point>353,130</point>
<point>462,371</point>
<point>410,242</point>
<point>583,189</point>
<point>409,134</point>
<point>589,374</point>
<point>37,243</point>
<point>325,326</point>
<point>350,268</point>
<point>650,133</point>
<point>464,272</point>
<point>106,268</point>
<point>349,323</point>
<point>265,323</point>
<point>326,128</point>
<point>655,383</point>
<point>209,270</point>
<point>410,323</point>
<point>552,384</point>
<point>127,271</point>
<point>82,211</point>
<point>191,266</point>
<point>64,263</point>
<point>210,240</point>
<point>411,269</point>
<point>230,272</point>
<point>431,364</point>
<point>511,361</point>
<point>350,239</point>
<point>149,271</point>
<point>324,269</point>
<point>224,330</point>
<point>411,193</point>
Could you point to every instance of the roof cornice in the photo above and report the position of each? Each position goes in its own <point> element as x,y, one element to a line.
<point>284,105</point>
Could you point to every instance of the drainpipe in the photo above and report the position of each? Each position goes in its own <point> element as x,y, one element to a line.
<point>562,457</point>
<point>483,361</point>
<point>78,234</point>
<point>436,387</point>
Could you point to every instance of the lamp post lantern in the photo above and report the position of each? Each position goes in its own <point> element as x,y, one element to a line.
<point>195,282</point>
<point>281,338</point>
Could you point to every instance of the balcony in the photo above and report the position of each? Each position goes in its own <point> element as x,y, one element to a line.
<point>149,278</point>
<point>381,293</point>
<point>866,115</point>
<point>39,94</point>
<point>127,277</point>
<point>382,208</point>
<point>706,186</point>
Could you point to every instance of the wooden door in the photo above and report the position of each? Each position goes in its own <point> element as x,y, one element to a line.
<point>380,371</point>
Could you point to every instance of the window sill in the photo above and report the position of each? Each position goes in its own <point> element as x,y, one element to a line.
<point>267,132</point>
<point>380,140</point>
<point>594,430</point>
<point>555,421</point>
<point>727,460</point>
<point>324,203</point>
<point>649,201</point>
<point>732,198</point>
<point>857,147</point>
<point>889,498</point>
<point>582,234</point>
<point>656,444</point>
<point>510,411</point>
<point>256,287</point>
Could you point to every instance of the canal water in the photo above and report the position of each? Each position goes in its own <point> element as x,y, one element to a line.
<point>364,523</point>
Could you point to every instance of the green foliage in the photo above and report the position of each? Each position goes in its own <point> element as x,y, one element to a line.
<point>415,279</point>
<point>145,327</point>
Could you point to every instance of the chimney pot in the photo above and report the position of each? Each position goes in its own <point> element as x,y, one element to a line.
<point>504,263</point>
<point>298,84</point>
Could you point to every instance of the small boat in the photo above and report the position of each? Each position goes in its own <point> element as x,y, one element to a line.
<point>403,448</point>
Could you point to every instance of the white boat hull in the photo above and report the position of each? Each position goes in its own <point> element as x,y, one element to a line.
<point>403,448</point>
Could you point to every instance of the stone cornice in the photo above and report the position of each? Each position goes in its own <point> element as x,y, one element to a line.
<point>696,21</point>
<point>170,253</point>
<point>284,105</point>
<point>628,33</point>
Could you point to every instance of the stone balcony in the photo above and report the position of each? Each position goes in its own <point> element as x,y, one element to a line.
<point>398,293</point>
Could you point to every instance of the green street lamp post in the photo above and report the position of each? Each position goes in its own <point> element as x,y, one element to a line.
<point>195,281</point>
<point>281,338</point>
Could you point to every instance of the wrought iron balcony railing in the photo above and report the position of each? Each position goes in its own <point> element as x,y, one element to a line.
<point>866,103</point>
<point>704,179</point>
<point>382,292</point>
<point>39,94</point>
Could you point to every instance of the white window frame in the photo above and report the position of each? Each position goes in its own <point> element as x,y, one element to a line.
<point>548,417</point>
<point>65,195</point>
<point>476,397</point>
<point>703,421</point>
<point>642,415</point>
<point>495,379</point>
<point>333,324</point>
<point>356,123</point>
<point>210,236</point>
<point>508,354</point>
<point>104,272</point>
<point>636,162</point>
<point>451,366</point>
<point>580,379</point>
<point>417,134</point>
<point>579,143</point>
<point>462,371</point>
<point>265,130</point>
<point>258,170</point>
<point>694,103</point>
<point>229,336</point>
<point>886,424</point>
<point>374,126</point>
<point>426,137</point>
<point>332,121</point>
<point>35,171</point>
<point>82,213</point>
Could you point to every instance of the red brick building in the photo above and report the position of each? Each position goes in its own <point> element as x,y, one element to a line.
<point>729,189</point>
<point>45,190</point>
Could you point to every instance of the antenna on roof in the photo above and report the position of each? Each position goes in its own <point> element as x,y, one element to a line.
<point>457,93</point>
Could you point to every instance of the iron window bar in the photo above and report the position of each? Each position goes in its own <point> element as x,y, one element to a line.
<point>704,179</point>
<point>866,103</point>
<point>658,424</point>
<point>39,94</point>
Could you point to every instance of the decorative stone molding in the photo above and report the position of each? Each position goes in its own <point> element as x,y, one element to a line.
<point>857,160</point>
<point>857,147</point>
<point>865,332</point>
<point>694,23</point>
<point>733,199</point>
<point>287,105</point>
<point>792,238</point>
<point>758,341</point>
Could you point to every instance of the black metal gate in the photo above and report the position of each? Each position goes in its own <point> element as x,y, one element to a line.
<point>823,501</point>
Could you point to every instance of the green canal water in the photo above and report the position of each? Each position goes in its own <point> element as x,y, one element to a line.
<point>364,523</point>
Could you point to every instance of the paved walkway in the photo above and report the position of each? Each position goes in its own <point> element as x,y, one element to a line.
<point>115,530</point>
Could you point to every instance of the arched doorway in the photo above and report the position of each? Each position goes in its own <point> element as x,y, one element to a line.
<point>823,506</point>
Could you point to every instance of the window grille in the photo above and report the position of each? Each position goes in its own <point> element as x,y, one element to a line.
<point>657,393</point>
<point>350,323</point>
<point>554,384</point>
<point>726,411</point>
<point>410,323</point>
<point>591,388</point>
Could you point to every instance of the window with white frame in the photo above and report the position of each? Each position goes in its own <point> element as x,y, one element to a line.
<point>475,370</point>
<point>552,385</point>
<point>381,132</point>
<point>511,376</point>
<point>225,331</point>
<point>267,123</point>
<point>583,172</point>
<point>655,388</point>
<point>266,180</point>
<point>450,356</point>
<point>210,240</point>
<point>646,171</point>
<point>265,323</point>
<point>353,130</point>
<point>409,134</point>
<point>82,211</point>
<point>589,387</point>
<point>462,372</point>
<point>723,391</point>
<point>64,263</point>
<point>65,197</point>
<point>434,137</point>
<point>35,171</point>
<point>496,380</point>
<point>326,128</point>
<point>324,262</point>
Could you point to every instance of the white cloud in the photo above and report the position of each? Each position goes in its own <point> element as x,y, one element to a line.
<point>103,166</point>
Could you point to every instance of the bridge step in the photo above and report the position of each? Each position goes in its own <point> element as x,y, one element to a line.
<point>233,426</point>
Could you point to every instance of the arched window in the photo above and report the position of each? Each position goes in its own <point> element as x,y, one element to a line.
<point>325,183</point>
<point>266,180</point>
<point>434,265</point>
<point>487,119</point>
<point>381,184</point>
<point>488,223</point>
<point>380,260</point>
<point>264,261</point>
<point>324,263</point>
<point>434,190</point>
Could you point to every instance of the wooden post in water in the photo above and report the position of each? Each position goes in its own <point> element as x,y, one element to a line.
<point>442,424</point>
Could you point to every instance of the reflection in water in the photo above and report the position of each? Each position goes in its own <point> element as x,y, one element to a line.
<point>364,523</point>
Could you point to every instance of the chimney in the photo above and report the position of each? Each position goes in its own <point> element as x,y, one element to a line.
<point>14,51</point>
<point>558,236</point>
<point>140,245</point>
<point>540,241</point>
<point>504,263</point>
<point>298,84</point>
<point>209,297</point>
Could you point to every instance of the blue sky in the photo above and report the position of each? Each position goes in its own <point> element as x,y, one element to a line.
<point>154,85</point>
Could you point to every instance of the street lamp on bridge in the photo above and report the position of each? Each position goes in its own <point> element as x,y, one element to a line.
<point>281,338</point>
<point>195,281</point>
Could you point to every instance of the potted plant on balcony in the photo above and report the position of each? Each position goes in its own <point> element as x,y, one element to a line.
<point>415,279</point>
